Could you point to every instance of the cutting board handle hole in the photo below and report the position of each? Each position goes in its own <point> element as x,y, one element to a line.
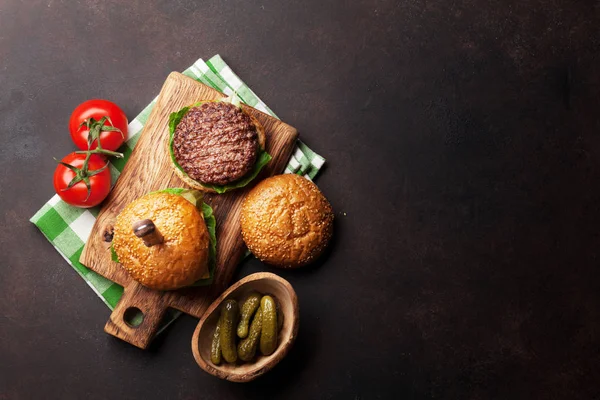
<point>133,317</point>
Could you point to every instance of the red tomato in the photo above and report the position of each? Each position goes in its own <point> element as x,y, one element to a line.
<point>97,109</point>
<point>97,175</point>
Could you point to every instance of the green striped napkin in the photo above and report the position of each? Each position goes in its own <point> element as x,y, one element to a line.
<point>67,228</point>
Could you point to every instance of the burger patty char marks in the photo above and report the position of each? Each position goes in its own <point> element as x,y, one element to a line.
<point>215,143</point>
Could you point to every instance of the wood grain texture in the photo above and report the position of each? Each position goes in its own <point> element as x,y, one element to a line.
<point>148,169</point>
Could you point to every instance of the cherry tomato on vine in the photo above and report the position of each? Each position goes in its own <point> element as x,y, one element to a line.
<point>103,119</point>
<point>82,183</point>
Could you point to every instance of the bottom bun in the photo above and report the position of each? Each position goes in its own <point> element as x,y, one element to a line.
<point>190,182</point>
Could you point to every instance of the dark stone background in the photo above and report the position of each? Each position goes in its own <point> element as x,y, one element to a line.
<point>463,164</point>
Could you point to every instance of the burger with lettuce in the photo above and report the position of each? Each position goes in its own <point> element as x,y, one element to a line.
<point>166,240</point>
<point>216,146</point>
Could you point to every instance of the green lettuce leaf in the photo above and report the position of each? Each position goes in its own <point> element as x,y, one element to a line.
<point>113,254</point>
<point>193,196</point>
<point>175,118</point>
<point>262,159</point>
<point>211,226</point>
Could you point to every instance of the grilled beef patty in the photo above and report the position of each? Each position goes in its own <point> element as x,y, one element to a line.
<point>215,143</point>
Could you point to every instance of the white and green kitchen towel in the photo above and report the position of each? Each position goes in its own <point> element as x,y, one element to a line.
<point>67,228</point>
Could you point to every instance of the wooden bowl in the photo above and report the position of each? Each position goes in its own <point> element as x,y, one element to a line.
<point>264,283</point>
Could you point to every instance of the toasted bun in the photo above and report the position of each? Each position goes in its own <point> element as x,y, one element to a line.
<point>181,259</point>
<point>286,221</point>
<point>190,182</point>
<point>260,130</point>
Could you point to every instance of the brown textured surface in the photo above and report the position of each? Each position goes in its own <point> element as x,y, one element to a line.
<point>150,168</point>
<point>215,143</point>
<point>462,140</point>
<point>286,221</point>
<point>181,259</point>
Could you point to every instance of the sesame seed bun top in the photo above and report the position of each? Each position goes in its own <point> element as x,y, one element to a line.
<point>286,221</point>
<point>181,259</point>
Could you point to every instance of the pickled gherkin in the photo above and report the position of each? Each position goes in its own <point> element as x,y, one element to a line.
<point>247,347</point>
<point>229,317</point>
<point>215,349</point>
<point>248,309</point>
<point>268,336</point>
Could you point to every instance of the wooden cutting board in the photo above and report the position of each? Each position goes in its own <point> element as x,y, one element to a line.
<point>148,169</point>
